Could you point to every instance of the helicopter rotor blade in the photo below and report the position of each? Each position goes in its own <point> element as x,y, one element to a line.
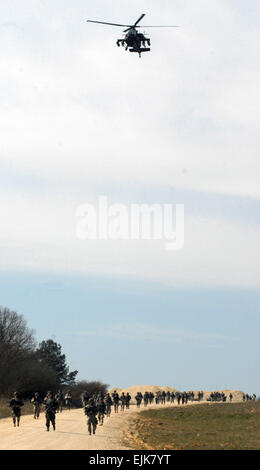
<point>158,26</point>
<point>111,24</point>
<point>138,21</point>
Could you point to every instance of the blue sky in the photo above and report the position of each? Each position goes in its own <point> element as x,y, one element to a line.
<point>128,332</point>
<point>81,118</point>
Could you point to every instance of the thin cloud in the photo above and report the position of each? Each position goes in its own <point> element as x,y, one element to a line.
<point>146,332</point>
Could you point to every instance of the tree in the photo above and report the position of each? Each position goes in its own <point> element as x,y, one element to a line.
<point>49,353</point>
<point>16,343</point>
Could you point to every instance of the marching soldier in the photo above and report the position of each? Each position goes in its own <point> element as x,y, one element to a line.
<point>59,397</point>
<point>108,402</point>
<point>101,407</point>
<point>146,398</point>
<point>138,398</point>
<point>68,399</point>
<point>36,401</point>
<point>123,401</point>
<point>51,406</point>
<point>116,399</point>
<point>127,400</point>
<point>84,398</point>
<point>91,412</point>
<point>15,403</point>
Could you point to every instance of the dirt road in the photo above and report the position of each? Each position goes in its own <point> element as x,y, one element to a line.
<point>71,432</point>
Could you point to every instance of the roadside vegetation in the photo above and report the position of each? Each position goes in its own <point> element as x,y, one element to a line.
<point>27,367</point>
<point>220,426</point>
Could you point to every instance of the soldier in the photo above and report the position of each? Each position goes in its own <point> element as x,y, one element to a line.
<point>51,406</point>
<point>36,401</point>
<point>230,397</point>
<point>163,397</point>
<point>127,400</point>
<point>151,398</point>
<point>146,398</point>
<point>116,399</point>
<point>123,401</point>
<point>68,400</point>
<point>172,397</point>
<point>108,402</point>
<point>138,398</point>
<point>15,403</point>
<point>91,412</point>
<point>101,407</point>
<point>59,397</point>
<point>85,396</point>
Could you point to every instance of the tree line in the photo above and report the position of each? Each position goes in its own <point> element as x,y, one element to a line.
<point>26,367</point>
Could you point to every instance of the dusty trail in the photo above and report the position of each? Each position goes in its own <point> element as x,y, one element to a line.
<point>71,432</point>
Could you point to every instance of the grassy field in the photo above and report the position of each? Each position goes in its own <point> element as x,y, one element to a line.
<point>220,426</point>
<point>6,412</point>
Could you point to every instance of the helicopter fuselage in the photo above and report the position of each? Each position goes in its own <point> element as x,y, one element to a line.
<point>135,41</point>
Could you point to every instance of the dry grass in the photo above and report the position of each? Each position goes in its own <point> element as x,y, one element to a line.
<point>221,426</point>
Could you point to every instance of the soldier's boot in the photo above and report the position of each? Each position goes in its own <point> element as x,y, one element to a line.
<point>94,428</point>
<point>14,421</point>
<point>47,428</point>
<point>54,427</point>
<point>18,422</point>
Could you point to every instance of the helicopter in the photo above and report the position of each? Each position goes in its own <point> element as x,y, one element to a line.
<point>134,41</point>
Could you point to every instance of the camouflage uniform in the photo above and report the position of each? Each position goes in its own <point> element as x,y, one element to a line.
<point>15,403</point>
<point>172,397</point>
<point>68,400</point>
<point>127,400</point>
<point>146,398</point>
<point>51,406</point>
<point>138,398</point>
<point>108,402</point>
<point>116,399</point>
<point>59,397</point>
<point>101,407</point>
<point>91,412</point>
<point>123,401</point>
<point>36,401</point>
<point>84,398</point>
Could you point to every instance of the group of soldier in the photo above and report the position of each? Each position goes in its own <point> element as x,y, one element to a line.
<point>163,397</point>
<point>219,396</point>
<point>51,403</point>
<point>98,405</point>
<point>249,397</point>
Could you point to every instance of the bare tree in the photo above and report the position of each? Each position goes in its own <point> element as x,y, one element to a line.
<point>16,342</point>
<point>14,332</point>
